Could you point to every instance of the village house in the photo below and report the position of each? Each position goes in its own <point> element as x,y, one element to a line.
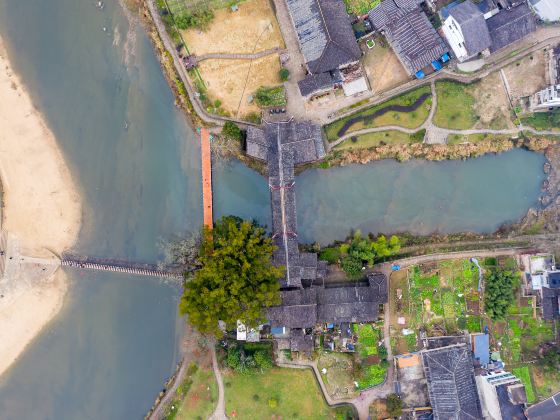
<point>466,31</point>
<point>451,384</point>
<point>305,300</point>
<point>410,34</point>
<point>486,27</point>
<point>329,47</point>
<point>542,280</point>
<point>502,395</point>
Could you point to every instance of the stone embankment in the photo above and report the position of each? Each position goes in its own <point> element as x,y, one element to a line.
<point>547,217</point>
<point>405,152</point>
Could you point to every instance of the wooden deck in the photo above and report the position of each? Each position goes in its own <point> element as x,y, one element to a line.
<point>206,176</point>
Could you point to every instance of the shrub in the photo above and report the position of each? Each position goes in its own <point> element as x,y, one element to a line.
<point>263,359</point>
<point>394,405</point>
<point>352,266</point>
<point>231,131</point>
<point>199,18</point>
<point>273,402</point>
<point>284,74</point>
<point>500,292</point>
<point>270,96</point>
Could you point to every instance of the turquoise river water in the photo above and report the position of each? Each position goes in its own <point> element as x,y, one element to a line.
<point>136,161</point>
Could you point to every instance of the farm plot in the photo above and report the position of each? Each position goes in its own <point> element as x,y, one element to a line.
<point>446,294</point>
<point>251,29</point>
<point>232,82</point>
<point>519,335</point>
<point>372,366</point>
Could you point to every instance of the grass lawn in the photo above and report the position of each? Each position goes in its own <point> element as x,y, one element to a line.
<point>455,106</point>
<point>277,393</point>
<point>360,7</point>
<point>543,120</point>
<point>411,119</point>
<point>365,141</point>
<point>546,383</point>
<point>196,396</point>
<point>523,374</point>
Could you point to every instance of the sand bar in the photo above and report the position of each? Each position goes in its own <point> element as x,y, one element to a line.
<point>42,208</point>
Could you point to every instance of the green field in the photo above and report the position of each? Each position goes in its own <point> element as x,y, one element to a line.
<point>360,7</point>
<point>178,7</point>
<point>365,141</point>
<point>455,106</point>
<point>523,374</point>
<point>368,338</point>
<point>196,396</point>
<point>543,120</point>
<point>412,119</point>
<point>277,393</point>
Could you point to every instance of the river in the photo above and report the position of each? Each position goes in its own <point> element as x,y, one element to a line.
<point>136,161</point>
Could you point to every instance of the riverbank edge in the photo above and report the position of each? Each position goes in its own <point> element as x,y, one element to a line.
<point>31,305</point>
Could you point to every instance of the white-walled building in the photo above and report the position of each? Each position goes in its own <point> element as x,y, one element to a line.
<point>466,31</point>
<point>546,98</point>
<point>502,396</point>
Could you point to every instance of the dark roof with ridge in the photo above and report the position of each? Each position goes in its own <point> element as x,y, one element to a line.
<point>325,33</point>
<point>303,308</point>
<point>314,83</point>
<point>286,144</point>
<point>511,25</point>
<point>409,32</point>
<point>451,385</point>
<point>473,26</point>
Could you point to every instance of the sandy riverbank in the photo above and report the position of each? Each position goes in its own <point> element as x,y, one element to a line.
<point>42,209</point>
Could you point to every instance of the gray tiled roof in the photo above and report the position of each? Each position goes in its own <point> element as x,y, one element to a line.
<point>325,34</point>
<point>409,32</point>
<point>550,303</point>
<point>509,26</point>
<point>286,144</point>
<point>473,26</point>
<point>451,385</point>
<point>303,308</point>
<point>315,83</point>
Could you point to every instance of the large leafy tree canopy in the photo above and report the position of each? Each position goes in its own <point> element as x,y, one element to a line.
<point>361,250</point>
<point>237,280</point>
<point>500,292</point>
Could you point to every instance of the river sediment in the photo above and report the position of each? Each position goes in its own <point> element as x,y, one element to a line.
<point>41,207</point>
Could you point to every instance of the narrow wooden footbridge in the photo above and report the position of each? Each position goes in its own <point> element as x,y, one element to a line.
<point>116,266</point>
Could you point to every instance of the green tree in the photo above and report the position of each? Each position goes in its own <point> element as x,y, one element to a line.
<point>550,360</point>
<point>394,405</point>
<point>199,18</point>
<point>230,130</point>
<point>499,292</point>
<point>262,359</point>
<point>351,266</point>
<point>237,280</point>
<point>284,74</point>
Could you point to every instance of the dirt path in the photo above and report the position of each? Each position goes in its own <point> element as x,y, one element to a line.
<point>255,56</point>
<point>220,411</point>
